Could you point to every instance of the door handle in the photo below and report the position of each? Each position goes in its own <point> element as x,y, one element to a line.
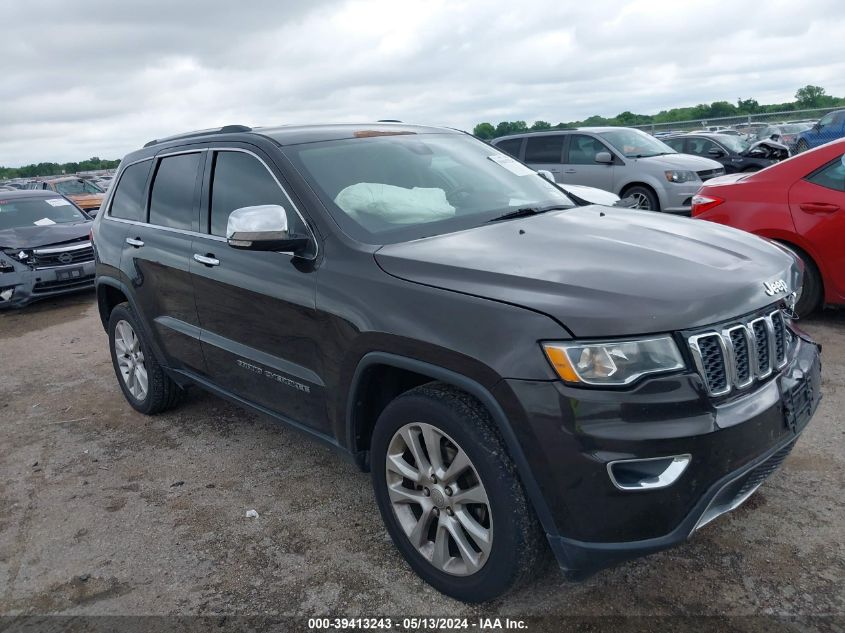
<point>570,171</point>
<point>134,241</point>
<point>207,260</point>
<point>819,207</point>
<point>555,171</point>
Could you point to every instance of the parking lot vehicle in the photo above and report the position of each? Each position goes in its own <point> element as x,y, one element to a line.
<point>44,247</point>
<point>505,363</point>
<point>84,193</point>
<point>735,153</point>
<point>626,161</point>
<point>786,133</point>
<point>829,128</point>
<point>800,203</point>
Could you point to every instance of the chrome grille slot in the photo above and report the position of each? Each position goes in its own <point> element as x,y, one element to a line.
<point>741,353</point>
<point>63,255</point>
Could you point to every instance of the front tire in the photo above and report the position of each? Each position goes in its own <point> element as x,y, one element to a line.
<point>813,287</point>
<point>450,496</point>
<point>143,381</point>
<point>646,198</point>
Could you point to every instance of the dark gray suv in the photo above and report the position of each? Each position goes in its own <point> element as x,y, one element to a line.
<point>516,371</point>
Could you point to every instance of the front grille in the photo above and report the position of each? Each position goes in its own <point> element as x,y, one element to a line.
<point>741,353</point>
<point>759,474</point>
<point>63,256</point>
<point>707,174</point>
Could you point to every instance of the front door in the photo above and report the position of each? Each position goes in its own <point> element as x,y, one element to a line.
<point>257,309</point>
<point>580,166</point>
<point>817,203</point>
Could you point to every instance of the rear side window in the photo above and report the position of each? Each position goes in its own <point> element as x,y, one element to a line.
<point>831,176</point>
<point>128,202</point>
<point>240,180</point>
<point>544,149</point>
<point>172,198</point>
<point>511,146</point>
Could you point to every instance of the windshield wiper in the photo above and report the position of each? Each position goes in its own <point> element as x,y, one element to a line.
<point>526,211</point>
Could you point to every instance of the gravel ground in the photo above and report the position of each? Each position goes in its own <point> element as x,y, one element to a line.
<point>105,511</point>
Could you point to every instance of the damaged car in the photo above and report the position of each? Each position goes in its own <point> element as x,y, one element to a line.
<point>84,193</point>
<point>735,153</point>
<point>45,248</point>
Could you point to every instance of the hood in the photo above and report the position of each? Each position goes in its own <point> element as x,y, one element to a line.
<point>591,194</point>
<point>37,236</point>
<point>86,200</point>
<point>770,150</point>
<point>680,161</point>
<point>601,271</point>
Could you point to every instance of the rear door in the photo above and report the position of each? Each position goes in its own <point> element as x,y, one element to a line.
<point>580,166</point>
<point>817,203</point>
<point>545,151</point>
<point>257,309</point>
<point>156,256</point>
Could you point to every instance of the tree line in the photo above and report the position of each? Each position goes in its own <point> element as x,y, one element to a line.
<point>805,98</point>
<point>56,169</point>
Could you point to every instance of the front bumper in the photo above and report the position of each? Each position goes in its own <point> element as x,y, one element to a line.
<point>28,285</point>
<point>570,435</point>
<point>677,197</point>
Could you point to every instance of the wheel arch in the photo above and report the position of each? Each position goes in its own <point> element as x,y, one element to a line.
<point>648,185</point>
<point>360,420</point>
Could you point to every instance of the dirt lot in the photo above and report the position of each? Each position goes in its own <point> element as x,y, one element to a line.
<point>105,511</point>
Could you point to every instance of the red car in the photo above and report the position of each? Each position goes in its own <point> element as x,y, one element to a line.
<point>800,203</point>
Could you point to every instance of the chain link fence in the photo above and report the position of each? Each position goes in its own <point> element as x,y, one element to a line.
<point>753,126</point>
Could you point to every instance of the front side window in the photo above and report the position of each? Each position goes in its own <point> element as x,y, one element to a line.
<point>583,149</point>
<point>676,144</point>
<point>128,202</point>
<point>831,176</point>
<point>17,213</point>
<point>544,149</point>
<point>397,187</point>
<point>172,197</point>
<point>635,143</point>
<point>827,119</point>
<point>241,180</point>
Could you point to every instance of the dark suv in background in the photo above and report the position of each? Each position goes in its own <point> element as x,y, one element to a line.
<point>513,369</point>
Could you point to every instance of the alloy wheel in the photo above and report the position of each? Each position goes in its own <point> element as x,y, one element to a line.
<point>130,360</point>
<point>438,499</point>
<point>642,201</point>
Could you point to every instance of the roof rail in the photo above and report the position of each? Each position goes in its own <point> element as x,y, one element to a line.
<point>226,129</point>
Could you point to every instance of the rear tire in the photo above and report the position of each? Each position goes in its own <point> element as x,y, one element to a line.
<point>144,383</point>
<point>475,535</point>
<point>645,197</point>
<point>813,292</point>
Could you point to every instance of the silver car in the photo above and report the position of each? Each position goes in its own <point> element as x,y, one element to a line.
<point>625,161</point>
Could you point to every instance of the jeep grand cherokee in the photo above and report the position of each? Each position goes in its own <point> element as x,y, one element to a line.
<point>513,369</point>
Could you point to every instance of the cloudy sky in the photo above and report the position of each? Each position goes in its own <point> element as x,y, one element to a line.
<point>98,77</point>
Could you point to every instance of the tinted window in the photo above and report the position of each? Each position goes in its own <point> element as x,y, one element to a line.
<point>827,119</point>
<point>240,180</point>
<point>511,146</point>
<point>676,144</point>
<point>544,149</point>
<point>700,146</point>
<point>172,199</point>
<point>128,200</point>
<point>831,176</point>
<point>583,149</point>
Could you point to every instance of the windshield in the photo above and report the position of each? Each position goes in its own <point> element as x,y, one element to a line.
<point>75,187</point>
<point>635,143</point>
<point>735,144</point>
<point>396,187</point>
<point>22,212</point>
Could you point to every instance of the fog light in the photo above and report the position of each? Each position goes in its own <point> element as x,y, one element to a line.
<point>647,474</point>
<point>6,294</point>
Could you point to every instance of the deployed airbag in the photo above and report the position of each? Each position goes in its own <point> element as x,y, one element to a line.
<point>396,205</point>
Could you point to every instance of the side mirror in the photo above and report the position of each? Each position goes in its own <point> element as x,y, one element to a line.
<point>545,173</point>
<point>715,151</point>
<point>604,157</point>
<point>774,137</point>
<point>262,228</point>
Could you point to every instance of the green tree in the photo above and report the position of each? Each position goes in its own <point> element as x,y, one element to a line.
<point>541,125</point>
<point>484,130</point>
<point>810,96</point>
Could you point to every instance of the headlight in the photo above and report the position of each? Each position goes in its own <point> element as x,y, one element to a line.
<point>674,175</point>
<point>613,362</point>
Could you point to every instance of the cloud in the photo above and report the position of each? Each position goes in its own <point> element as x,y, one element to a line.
<point>101,78</point>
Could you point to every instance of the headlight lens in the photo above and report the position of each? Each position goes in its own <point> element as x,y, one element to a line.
<point>613,362</point>
<point>673,175</point>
